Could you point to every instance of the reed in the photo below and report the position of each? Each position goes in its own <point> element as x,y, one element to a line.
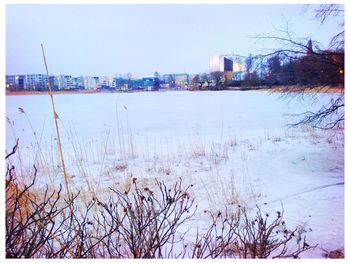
<point>59,144</point>
<point>60,151</point>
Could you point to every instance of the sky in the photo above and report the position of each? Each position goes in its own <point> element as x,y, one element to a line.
<point>109,40</point>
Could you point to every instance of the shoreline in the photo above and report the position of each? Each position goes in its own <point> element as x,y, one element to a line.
<point>275,89</point>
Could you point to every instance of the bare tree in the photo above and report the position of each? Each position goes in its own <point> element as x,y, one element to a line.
<point>128,76</point>
<point>196,81</point>
<point>156,78</point>
<point>171,81</point>
<point>314,67</point>
<point>249,63</point>
<point>333,10</point>
<point>205,79</point>
<point>218,78</point>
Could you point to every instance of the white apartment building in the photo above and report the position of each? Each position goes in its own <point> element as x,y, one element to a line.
<point>91,82</point>
<point>107,81</point>
<point>64,82</point>
<point>35,81</point>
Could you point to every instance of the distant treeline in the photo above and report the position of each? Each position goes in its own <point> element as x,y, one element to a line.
<point>324,68</point>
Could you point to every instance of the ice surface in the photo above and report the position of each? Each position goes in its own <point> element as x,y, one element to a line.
<point>235,147</point>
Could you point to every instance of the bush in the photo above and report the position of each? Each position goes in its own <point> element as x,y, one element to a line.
<point>138,223</point>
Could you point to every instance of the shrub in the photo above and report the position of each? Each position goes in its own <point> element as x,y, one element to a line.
<point>138,223</point>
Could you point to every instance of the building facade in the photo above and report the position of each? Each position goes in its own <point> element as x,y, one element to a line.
<point>36,82</point>
<point>15,82</point>
<point>229,65</point>
<point>91,82</point>
<point>108,82</point>
<point>65,82</point>
<point>180,80</point>
<point>79,82</point>
<point>148,83</point>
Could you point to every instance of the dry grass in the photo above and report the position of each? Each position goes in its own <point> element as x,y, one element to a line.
<point>299,89</point>
<point>136,222</point>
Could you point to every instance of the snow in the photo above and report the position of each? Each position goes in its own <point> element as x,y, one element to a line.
<point>235,148</point>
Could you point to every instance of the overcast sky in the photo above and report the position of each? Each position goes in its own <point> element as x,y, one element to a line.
<point>141,39</point>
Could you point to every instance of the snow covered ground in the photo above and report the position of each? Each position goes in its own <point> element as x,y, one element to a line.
<point>234,147</point>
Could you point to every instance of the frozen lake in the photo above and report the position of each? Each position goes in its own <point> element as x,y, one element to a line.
<point>155,115</point>
<point>234,146</point>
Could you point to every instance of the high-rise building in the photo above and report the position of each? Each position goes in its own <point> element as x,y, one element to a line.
<point>229,64</point>
<point>223,64</point>
<point>220,63</point>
